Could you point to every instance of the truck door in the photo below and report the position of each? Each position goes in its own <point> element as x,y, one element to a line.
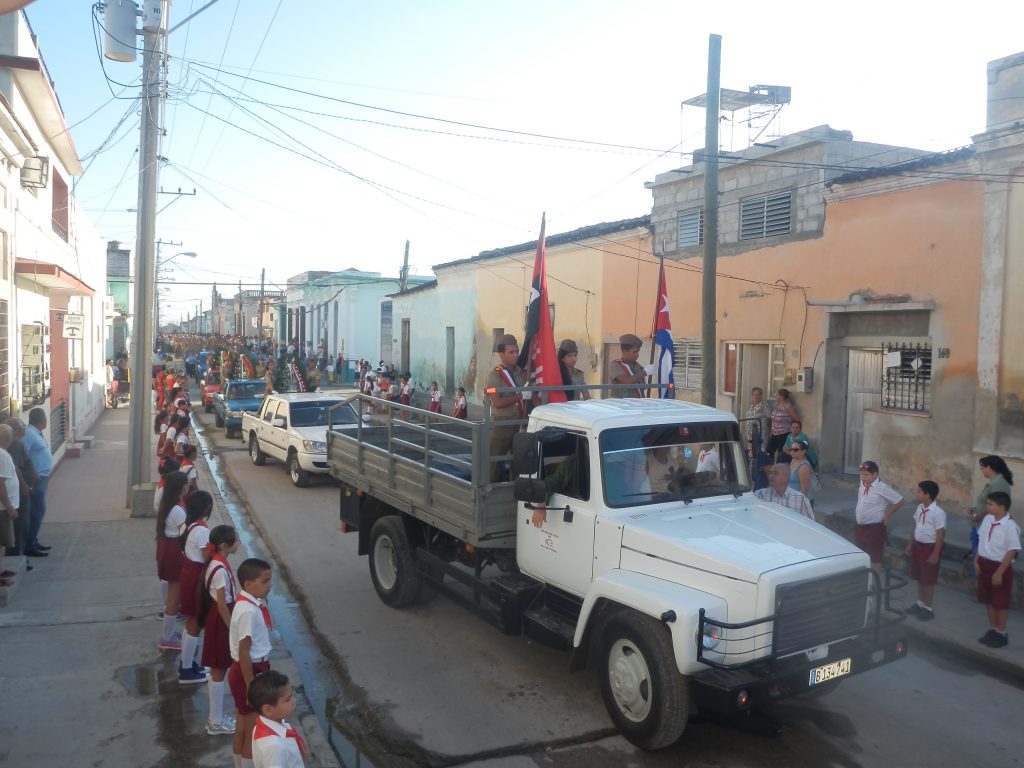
<point>561,552</point>
<point>278,436</point>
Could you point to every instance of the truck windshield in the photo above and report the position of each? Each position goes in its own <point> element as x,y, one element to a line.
<point>646,465</point>
<point>251,391</point>
<point>315,414</point>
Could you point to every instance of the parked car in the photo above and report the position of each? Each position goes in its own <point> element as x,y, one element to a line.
<point>238,396</point>
<point>209,387</point>
<point>292,427</point>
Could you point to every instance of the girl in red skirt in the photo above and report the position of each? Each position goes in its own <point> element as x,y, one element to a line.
<point>218,599</point>
<point>188,466</point>
<point>170,524</point>
<point>198,507</point>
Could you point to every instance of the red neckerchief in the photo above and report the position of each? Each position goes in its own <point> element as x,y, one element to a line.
<point>924,514</point>
<point>992,528</point>
<point>262,731</point>
<point>629,372</point>
<point>867,487</point>
<point>510,380</point>
<point>263,609</point>
<point>227,569</point>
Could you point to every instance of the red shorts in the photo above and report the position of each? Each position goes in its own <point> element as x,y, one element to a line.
<point>926,575</point>
<point>191,576</point>
<point>871,538</point>
<point>239,690</point>
<point>988,593</point>
<point>168,559</point>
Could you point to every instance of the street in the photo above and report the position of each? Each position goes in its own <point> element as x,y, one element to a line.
<point>434,685</point>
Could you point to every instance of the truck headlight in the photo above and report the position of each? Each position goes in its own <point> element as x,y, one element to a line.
<point>235,414</point>
<point>711,638</point>
<point>314,446</point>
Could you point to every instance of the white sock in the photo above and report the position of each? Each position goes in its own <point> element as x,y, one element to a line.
<point>921,604</point>
<point>216,701</point>
<point>237,759</point>
<point>163,591</point>
<point>168,626</point>
<point>248,763</point>
<point>188,649</point>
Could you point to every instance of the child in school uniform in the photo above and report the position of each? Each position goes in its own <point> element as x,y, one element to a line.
<point>219,594</point>
<point>435,398</point>
<point>188,466</point>
<point>925,548</point>
<point>198,507</point>
<point>275,744</point>
<point>170,524</point>
<point>182,439</point>
<point>998,545</point>
<point>461,411</point>
<point>249,639</point>
<point>160,429</point>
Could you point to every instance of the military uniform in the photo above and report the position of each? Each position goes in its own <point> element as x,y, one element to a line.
<point>501,437</point>
<point>622,367</point>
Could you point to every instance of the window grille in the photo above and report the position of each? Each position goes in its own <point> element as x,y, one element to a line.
<point>907,376</point>
<point>687,372</point>
<point>691,228</point>
<point>765,216</point>
<point>58,425</point>
<point>5,383</point>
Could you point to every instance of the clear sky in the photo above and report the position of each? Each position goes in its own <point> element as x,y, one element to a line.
<point>293,181</point>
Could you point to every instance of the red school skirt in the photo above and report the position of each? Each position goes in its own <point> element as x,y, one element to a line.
<point>191,577</point>
<point>169,559</point>
<point>216,649</point>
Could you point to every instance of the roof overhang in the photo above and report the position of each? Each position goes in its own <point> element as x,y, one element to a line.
<point>55,279</point>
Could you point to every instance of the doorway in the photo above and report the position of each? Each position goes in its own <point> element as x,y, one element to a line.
<point>863,391</point>
<point>406,362</point>
<point>449,360</point>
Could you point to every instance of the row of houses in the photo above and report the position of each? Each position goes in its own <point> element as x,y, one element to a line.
<point>883,285</point>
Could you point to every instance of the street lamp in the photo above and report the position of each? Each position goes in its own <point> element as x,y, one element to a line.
<point>161,262</point>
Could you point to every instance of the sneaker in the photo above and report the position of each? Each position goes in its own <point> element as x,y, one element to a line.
<point>914,610</point>
<point>925,614</point>
<point>225,727</point>
<point>190,677</point>
<point>998,640</point>
<point>172,643</point>
<point>987,637</point>
<point>181,617</point>
<point>196,667</point>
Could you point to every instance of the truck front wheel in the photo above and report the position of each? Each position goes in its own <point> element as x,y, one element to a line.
<point>645,694</point>
<point>392,567</point>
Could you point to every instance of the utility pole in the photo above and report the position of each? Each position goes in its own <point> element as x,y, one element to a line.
<point>240,329</point>
<point>709,340</point>
<point>405,269</point>
<point>154,33</point>
<point>259,335</point>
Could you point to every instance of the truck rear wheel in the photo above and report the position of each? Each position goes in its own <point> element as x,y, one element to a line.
<point>646,696</point>
<point>255,453</point>
<point>392,566</point>
<point>299,476</point>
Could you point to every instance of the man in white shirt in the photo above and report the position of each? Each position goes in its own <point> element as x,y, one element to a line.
<point>779,492</point>
<point>10,498</point>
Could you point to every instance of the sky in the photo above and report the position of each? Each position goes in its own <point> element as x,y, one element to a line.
<point>323,135</point>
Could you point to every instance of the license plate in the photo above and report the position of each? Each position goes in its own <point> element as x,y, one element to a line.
<point>827,672</point>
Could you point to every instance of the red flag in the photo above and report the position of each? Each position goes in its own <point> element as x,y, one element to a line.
<point>539,341</point>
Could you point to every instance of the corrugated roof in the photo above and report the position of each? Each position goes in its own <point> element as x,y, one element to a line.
<point>576,235</point>
<point>918,164</point>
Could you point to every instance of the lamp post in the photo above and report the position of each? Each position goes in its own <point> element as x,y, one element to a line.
<point>160,263</point>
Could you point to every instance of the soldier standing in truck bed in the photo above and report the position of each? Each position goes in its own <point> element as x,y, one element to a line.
<point>505,406</point>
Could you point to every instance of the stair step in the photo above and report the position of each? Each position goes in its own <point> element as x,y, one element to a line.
<point>545,626</point>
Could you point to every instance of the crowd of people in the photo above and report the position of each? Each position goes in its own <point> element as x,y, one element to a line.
<point>25,465</point>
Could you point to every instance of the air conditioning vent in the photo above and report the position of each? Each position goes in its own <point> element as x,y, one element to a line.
<point>35,172</point>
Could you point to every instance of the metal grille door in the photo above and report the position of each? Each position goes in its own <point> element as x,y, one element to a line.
<point>863,391</point>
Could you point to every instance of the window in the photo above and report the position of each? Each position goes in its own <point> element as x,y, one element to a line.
<point>766,216</point>
<point>60,207</point>
<point>566,466</point>
<point>688,364</point>
<point>691,228</point>
<point>907,376</point>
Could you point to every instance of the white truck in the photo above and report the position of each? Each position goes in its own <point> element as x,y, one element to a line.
<point>292,427</point>
<point>680,586</point>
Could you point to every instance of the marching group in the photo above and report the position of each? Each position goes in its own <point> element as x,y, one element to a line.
<point>229,610</point>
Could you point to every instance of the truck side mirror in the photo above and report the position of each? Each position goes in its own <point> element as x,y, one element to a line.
<point>525,454</point>
<point>530,490</point>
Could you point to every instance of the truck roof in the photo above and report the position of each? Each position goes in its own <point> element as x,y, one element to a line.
<point>627,412</point>
<point>305,397</point>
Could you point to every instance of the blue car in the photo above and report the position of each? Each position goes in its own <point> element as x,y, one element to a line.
<point>237,396</point>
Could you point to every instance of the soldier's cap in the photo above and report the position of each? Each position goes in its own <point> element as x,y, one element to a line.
<point>568,346</point>
<point>508,340</point>
<point>630,340</point>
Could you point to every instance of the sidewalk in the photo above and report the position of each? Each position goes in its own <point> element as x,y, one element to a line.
<point>82,681</point>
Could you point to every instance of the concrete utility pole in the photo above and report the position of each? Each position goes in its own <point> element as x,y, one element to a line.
<point>405,269</point>
<point>709,338</point>
<point>240,327</point>
<point>154,29</point>
<point>263,277</point>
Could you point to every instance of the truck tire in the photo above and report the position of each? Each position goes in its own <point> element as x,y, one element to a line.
<point>392,567</point>
<point>646,696</point>
<point>217,419</point>
<point>229,433</point>
<point>299,476</point>
<point>259,458</point>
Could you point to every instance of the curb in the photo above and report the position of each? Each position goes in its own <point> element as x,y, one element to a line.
<point>1006,668</point>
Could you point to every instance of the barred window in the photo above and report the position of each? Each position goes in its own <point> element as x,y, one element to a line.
<point>765,216</point>
<point>907,376</point>
<point>691,228</point>
<point>687,372</point>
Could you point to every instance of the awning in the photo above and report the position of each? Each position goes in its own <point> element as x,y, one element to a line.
<point>51,277</point>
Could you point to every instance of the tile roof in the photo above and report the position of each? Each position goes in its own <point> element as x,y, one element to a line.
<point>932,160</point>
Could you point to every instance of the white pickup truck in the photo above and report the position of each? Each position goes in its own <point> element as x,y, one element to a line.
<point>292,427</point>
<point>681,587</point>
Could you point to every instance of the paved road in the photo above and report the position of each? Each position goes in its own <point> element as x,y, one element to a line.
<point>433,685</point>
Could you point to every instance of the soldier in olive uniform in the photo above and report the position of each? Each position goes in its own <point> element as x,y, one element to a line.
<point>567,355</point>
<point>508,405</point>
<point>626,369</point>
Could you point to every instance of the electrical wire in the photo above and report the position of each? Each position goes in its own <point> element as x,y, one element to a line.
<point>223,52</point>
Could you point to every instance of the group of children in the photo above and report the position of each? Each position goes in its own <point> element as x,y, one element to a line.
<point>381,386</point>
<point>230,612</point>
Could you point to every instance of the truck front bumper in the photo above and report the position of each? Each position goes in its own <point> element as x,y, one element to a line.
<point>735,690</point>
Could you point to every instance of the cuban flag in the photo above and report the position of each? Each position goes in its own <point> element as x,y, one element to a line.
<point>664,349</point>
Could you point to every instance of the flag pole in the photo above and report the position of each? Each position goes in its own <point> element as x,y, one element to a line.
<point>657,309</point>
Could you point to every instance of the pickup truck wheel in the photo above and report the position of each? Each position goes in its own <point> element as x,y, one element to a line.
<point>392,568</point>
<point>645,694</point>
<point>217,419</point>
<point>299,476</point>
<point>229,433</point>
<point>258,457</point>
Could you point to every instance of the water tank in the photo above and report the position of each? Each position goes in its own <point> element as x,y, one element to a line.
<point>119,30</point>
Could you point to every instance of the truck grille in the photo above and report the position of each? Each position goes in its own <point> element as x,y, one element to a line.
<point>819,611</point>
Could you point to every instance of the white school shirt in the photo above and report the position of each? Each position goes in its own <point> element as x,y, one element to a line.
<point>247,621</point>
<point>220,578</point>
<point>873,500</point>
<point>157,495</point>
<point>197,539</point>
<point>929,519</point>
<point>435,395</point>
<point>997,537</point>
<point>190,471</point>
<point>271,748</point>
<point>183,441</point>
<point>174,525</point>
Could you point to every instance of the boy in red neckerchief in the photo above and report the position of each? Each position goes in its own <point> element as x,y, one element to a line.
<point>998,545</point>
<point>275,744</point>
<point>925,548</point>
<point>249,638</point>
